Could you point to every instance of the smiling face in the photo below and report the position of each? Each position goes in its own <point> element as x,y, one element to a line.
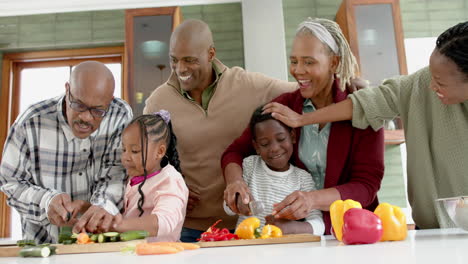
<point>131,152</point>
<point>191,63</point>
<point>448,82</point>
<point>312,65</point>
<point>274,143</point>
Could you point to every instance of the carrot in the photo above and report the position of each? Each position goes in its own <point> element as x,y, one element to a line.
<point>82,238</point>
<point>148,249</point>
<point>187,246</point>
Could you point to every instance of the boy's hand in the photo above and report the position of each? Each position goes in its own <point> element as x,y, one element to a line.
<point>295,206</point>
<point>289,226</point>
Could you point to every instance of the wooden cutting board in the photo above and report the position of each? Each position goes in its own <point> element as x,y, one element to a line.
<point>297,238</point>
<point>75,248</point>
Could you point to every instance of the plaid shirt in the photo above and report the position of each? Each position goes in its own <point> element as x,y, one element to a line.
<point>42,158</point>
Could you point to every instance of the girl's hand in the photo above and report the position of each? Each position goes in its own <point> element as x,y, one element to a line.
<point>283,114</point>
<point>295,206</point>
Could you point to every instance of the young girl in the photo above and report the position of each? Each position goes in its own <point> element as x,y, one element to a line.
<point>156,195</point>
<point>271,177</point>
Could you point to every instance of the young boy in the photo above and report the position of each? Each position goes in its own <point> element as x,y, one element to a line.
<point>271,177</point>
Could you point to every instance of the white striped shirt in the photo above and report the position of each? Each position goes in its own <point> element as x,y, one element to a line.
<point>42,158</point>
<point>272,187</point>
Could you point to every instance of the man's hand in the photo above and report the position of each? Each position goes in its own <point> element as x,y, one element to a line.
<point>357,84</point>
<point>284,114</point>
<point>95,218</point>
<point>236,193</point>
<point>60,210</point>
<point>295,206</point>
<point>193,199</point>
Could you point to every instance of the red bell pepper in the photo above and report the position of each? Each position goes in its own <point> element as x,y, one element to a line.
<point>215,234</point>
<point>361,226</point>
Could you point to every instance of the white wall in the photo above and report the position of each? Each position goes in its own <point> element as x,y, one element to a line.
<point>264,37</point>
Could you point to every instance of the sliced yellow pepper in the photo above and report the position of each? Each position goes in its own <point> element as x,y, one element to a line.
<point>270,231</point>
<point>249,228</point>
<point>337,210</point>
<point>393,222</point>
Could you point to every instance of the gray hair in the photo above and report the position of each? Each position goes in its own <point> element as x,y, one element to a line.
<point>347,67</point>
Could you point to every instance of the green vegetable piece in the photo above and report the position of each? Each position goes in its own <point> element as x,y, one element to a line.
<point>110,234</point>
<point>36,251</point>
<point>132,235</point>
<point>115,239</point>
<point>94,237</point>
<point>101,238</point>
<point>25,242</point>
<point>67,242</point>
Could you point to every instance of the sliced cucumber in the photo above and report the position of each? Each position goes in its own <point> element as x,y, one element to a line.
<point>111,234</point>
<point>101,238</point>
<point>94,237</point>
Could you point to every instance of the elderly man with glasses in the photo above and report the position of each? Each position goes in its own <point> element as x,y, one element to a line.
<point>61,160</point>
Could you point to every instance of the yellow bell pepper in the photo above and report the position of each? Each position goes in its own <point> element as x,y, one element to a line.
<point>249,228</point>
<point>270,231</point>
<point>337,210</point>
<point>393,222</point>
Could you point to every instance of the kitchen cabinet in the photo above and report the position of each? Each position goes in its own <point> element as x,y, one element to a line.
<point>147,35</point>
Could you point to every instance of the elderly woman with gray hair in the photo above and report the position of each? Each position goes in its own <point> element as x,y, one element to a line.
<point>345,162</point>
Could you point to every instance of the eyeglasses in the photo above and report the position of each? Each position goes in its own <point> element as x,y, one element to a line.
<point>79,107</point>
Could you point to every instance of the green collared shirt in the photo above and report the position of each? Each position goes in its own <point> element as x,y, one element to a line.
<point>313,147</point>
<point>208,92</point>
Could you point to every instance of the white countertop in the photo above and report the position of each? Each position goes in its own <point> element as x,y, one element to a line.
<point>423,246</point>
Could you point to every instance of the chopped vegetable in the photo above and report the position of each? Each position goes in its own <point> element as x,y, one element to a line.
<point>83,238</point>
<point>270,231</point>
<point>101,238</point>
<point>186,246</point>
<point>25,242</point>
<point>215,234</point>
<point>132,235</point>
<point>111,234</point>
<point>148,249</point>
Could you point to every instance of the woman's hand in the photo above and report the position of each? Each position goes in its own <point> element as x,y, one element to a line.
<point>295,206</point>
<point>283,114</point>
<point>237,192</point>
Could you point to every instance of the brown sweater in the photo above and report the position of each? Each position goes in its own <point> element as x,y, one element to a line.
<point>203,136</point>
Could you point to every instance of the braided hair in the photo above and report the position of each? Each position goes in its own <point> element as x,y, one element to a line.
<point>347,67</point>
<point>453,44</point>
<point>154,128</point>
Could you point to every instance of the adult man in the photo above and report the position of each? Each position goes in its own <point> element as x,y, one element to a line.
<point>62,157</point>
<point>210,105</point>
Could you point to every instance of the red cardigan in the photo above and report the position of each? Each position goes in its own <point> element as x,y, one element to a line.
<point>355,157</point>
